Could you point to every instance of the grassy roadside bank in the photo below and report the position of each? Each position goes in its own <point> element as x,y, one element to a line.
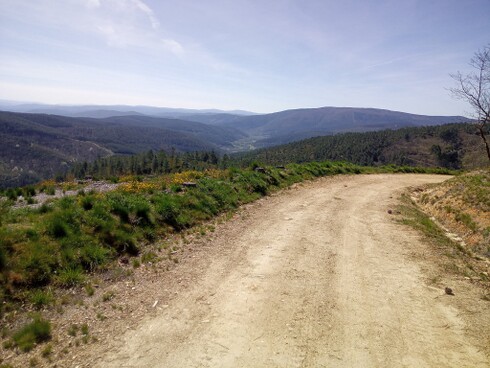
<point>63,244</point>
<point>455,217</point>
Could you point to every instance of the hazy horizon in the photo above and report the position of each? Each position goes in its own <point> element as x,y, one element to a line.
<point>243,55</point>
<point>231,111</point>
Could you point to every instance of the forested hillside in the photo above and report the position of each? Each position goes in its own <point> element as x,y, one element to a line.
<point>291,125</point>
<point>452,146</point>
<point>38,146</point>
<point>148,163</point>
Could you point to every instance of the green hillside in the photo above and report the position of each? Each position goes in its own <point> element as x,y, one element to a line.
<point>39,146</point>
<point>454,146</point>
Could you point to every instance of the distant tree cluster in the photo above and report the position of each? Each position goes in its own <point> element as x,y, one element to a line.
<point>149,163</point>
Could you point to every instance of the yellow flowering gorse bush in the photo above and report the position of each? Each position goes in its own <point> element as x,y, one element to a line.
<point>183,177</point>
<point>137,187</point>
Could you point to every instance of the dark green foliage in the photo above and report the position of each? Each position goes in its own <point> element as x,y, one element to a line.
<point>452,146</point>
<point>167,207</point>
<point>88,202</point>
<point>41,298</point>
<point>147,163</point>
<point>131,208</point>
<point>45,208</point>
<point>93,255</point>
<point>69,277</point>
<point>222,192</point>
<point>121,240</point>
<point>3,256</point>
<point>37,263</point>
<point>56,226</point>
<point>60,140</point>
<point>38,331</point>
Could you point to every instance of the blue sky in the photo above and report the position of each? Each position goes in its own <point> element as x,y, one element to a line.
<point>262,56</point>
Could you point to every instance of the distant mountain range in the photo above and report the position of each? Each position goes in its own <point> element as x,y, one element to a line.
<point>104,111</point>
<point>37,145</point>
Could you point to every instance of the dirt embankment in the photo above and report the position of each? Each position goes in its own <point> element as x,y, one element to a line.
<point>462,207</point>
<point>317,276</point>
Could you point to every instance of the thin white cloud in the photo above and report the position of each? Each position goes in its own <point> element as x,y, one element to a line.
<point>148,11</point>
<point>129,23</point>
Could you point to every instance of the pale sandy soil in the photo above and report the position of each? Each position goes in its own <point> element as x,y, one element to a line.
<point>320,275</point>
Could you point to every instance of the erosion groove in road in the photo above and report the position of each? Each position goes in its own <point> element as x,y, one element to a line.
<point>319,276</point>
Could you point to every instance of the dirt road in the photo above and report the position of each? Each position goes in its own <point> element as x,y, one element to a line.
<point>319,276</point>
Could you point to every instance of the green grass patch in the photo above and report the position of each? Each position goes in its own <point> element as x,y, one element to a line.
<point>467,221</point>
<point>41,298</point>
<point>38,331</point>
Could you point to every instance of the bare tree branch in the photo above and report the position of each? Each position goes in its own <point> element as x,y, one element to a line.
<point>474,88</point>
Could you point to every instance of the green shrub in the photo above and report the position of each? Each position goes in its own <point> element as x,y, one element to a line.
<point>121,241</point>
<point>56,226</point>
<point>149,257</point>
<point>11,194</point>
<point>69,277</point>
<point>50,190</point>
<point>143,213</point>
<point>93,256</point>
<point>119,205</point>
<point>29,191</point>
<point>150,234</point>
<point>100,218</point>
<point>44,208</point>
<point>66,203</point>
<point>41,298</point>
<point>167,208</point>
<point>39,330</point>
<point>3,257</point>
<point>32,234</point>
<point>87,202</point>
<point>467,221</point>
<point>37,262</point>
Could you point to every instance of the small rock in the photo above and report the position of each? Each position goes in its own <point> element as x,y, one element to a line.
<point>448,291</point>
<point>390,212</point>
